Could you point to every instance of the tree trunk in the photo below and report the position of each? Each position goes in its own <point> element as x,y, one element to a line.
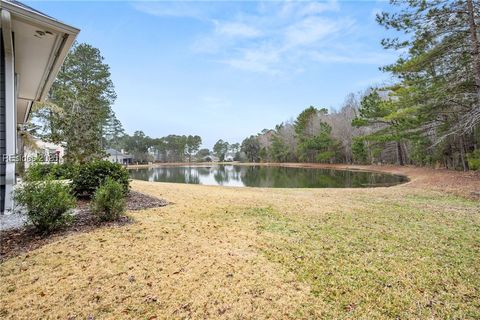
<point>462,154</point>
<point>475,44</point>
<point>406,156</point>
<point>400,154</point>
<point>476,137</point>
<point>370,153</point>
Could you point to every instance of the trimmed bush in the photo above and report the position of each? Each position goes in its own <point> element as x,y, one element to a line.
<point>90,176</point>
<point>47,204</point>
<point>63,171</point>
<point>108,202</point>
<point>41,171</point>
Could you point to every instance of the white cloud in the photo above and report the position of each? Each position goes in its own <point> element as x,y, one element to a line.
<point>356,57</point>
<point>273,37</point>
<point>312,8</point>
<point>311,30</point>
<point>236,29</point>
<point>178,9</point>
<point>300,9</point>
<point>256,59</point>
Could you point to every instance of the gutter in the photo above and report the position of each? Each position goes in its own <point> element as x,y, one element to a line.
<point>10,114</point>
<point>59,57</point>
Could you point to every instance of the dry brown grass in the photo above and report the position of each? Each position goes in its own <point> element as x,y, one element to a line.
<point>400,252</point>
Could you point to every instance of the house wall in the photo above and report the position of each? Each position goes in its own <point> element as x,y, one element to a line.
<point>44,149</point>
<point>119,159</point>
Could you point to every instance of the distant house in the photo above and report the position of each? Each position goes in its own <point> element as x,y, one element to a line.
<point>44,152</point>
<point>32,49</point>
<point>210,158</point>
<point>118,157</point>
<point>229,157</point>
<point>156,155</point>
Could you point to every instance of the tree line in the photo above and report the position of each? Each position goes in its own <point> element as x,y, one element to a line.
<point>172,148</point>
<point>429,115</point>
<point>79,116</point>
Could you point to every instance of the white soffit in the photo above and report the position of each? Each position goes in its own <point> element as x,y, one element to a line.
<point>33,55</point>
<point>41,44</point>
<point>23,106</point>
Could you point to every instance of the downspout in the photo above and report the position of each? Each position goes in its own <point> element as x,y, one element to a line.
<point>10,123</point>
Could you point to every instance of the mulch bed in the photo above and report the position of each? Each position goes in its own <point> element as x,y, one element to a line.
<point>17,241</point>
<point>140,201</point>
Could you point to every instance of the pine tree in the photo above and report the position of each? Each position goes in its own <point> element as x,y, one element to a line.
<point>84,92</point>
<point>436,100</point>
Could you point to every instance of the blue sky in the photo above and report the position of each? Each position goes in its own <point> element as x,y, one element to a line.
<point>225,70</point>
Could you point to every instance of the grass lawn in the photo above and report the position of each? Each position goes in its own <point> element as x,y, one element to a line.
<point>405,252</point>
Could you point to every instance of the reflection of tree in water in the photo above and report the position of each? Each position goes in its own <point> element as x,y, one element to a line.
<point>282,177</point>
<point>227,173</point>
<point>238,170</point>
<point>140,174</point>
<point>191,175</point>
<point>234,172</point>
<point>204,171</point>
<point>220,174</point>
<point>257,176</point>
<point>173,174</point>
<point>276,177</point>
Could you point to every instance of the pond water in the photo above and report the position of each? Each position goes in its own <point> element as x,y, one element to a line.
<point>267,177</point>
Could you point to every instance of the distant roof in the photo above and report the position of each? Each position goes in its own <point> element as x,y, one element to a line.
<point>116,153</point>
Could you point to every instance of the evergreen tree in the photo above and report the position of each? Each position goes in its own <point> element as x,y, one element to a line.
<point>251,148</point>
<point>113,132</point>
<point>220,149</point>
<point>438,92</point>
<point>193,143</point>
<point>83,92</point>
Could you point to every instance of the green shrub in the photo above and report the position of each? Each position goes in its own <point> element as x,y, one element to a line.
<point>37,172</point>
<point>325,156</point>
<point>474,160</point>
<point>108,202</point>
<point>41,171</point>
<point>90,176</point>
<point>47,203</point>
<point>63,171</point>
<point>359,150</point>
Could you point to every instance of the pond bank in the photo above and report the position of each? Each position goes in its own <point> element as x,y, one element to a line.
<point>465,184</point>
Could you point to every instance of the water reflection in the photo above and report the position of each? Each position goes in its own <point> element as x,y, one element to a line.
<point>268,177</point>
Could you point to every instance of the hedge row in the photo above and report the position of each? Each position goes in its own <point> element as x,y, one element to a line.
<point>86,178</point>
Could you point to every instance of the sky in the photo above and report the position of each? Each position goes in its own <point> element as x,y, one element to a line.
<point>224,69</point>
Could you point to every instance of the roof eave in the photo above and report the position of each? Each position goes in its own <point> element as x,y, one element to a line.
<point>36,18</point>
<point>58,56</point>
<point>62,52</point>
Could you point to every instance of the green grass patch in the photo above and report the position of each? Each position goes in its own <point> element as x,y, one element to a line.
<point>414,257</point>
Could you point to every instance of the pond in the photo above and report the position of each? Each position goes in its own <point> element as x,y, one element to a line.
<point>266,177</point>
